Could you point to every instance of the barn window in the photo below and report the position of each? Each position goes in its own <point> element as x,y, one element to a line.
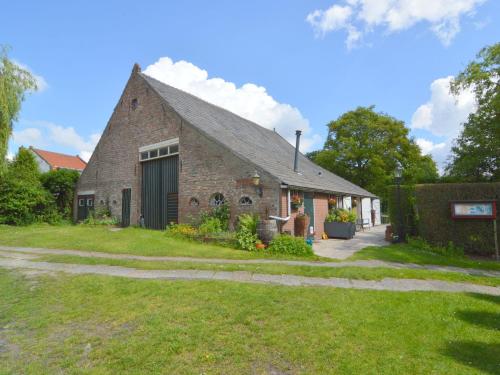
<point>193,202</point>
<point>90,202</point>
<point>159,150</point>
<point>217,200</point>
<point>81,202</point>
<point>246,201</point>
<point>134,104</point>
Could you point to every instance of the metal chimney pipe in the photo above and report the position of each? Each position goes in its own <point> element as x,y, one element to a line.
<point>297,144</point>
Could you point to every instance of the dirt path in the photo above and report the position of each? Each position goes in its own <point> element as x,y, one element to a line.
<point>247,277</point>
<point>357,263</point>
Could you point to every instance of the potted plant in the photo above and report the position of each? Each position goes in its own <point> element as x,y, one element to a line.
<point>332,202</point>
<point>296,201</point>
<point>340,223</point>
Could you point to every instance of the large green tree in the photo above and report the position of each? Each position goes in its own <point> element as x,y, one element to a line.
<point>14,82</point>
<point>23,200</point>
<point>476,152</point>
<point>365,146</point>
<point>61,184</point>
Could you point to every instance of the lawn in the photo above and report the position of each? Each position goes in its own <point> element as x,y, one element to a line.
<point>277,269</point>
<point>106,325</point>
<point>404,253</point>
<point>129,240</point>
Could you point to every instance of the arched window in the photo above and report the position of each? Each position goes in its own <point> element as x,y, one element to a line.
<point>193,202</point>
<point>246,201</point>
<point>217,200</point>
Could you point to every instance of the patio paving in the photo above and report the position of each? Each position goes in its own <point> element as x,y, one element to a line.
<point>342,249</point>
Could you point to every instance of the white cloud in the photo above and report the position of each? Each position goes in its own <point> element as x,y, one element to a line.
<point>250,101</point>
<point>28,137</point>
<point>41,83</point>
<point>47,135</point>
<point>442,116</point>
<point>428,147</point>
<point>442,16</point>
<point>444,113</point>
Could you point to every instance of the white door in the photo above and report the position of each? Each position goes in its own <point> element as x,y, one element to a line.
<point>366,209</point>
<point>376,207</point>
<point>347,203</point>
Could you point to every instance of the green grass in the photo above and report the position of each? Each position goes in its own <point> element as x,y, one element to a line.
<point>404,253</point>
<point>130,240</point>
<point>344,272</point>
<point>106,325</point>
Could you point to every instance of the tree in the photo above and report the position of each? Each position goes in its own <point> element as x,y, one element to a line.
<point>23,200</point>
<point>14,82</point>
<point>61,183</point>
<point>364,146</point>
<point>476,151</point>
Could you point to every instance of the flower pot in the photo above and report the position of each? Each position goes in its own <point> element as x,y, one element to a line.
<point>260,246</point>
<point>340,230</point>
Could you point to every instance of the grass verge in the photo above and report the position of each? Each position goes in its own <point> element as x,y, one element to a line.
<point>405,253</point>
<point>363,273</point>
<point>106,325</point>
<point>129,240</point>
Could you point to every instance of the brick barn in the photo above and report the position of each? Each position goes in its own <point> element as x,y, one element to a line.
<point>167,155</point>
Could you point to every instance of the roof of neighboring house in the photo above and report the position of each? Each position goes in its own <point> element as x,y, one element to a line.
<point>57,160</point>
<point>262,147</point>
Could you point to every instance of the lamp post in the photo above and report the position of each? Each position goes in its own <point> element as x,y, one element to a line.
<point>398,175</point>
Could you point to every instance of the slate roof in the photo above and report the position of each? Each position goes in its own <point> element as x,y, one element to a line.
<point>63,161</point>
<point>264,148</point>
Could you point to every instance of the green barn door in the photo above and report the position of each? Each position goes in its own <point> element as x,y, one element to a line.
<point>126,195</point>
<point>309,208</point>
<point>160,181</point>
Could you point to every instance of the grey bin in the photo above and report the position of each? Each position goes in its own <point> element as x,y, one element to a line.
<point>340,230</point>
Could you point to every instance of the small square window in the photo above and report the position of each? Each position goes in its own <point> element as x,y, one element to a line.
<point>174,149</point>
<point>144,155</point>
<point>153,153</point>
<point>81,202</point>
<point>90,202</point>
<point>163,151</point>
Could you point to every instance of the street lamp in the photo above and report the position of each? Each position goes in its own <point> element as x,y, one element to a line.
<point>398,176</point>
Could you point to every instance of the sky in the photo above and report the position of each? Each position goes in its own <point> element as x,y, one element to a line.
<point>284,64</point>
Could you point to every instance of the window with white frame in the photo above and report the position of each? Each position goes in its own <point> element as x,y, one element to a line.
<point>159,150</point>
<point>217,200</point>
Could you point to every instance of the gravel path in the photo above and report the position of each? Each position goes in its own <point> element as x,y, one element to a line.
<point>401,285</point>
<point>357,263</point>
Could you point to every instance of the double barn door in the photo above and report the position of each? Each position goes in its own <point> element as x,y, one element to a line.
<point>160,182</point>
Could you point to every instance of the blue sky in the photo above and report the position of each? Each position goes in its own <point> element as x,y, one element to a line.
<point>295,53</point>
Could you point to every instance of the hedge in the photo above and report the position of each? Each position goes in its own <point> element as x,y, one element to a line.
<point>409,218</point>
<point>427,214</point>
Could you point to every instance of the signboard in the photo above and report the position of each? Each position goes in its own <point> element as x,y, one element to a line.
<point>473,210</point>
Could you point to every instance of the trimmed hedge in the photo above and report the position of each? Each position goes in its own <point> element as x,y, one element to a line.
<point>427,214</point>
<point>409,216</point>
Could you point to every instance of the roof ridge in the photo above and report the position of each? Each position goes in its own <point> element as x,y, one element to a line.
<point>58,153</point>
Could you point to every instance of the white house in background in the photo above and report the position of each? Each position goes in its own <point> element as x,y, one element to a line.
<point>48,160</point>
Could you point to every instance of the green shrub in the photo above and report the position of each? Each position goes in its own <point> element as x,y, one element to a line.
<point>286,244</point>
<point>221,213</point>
<point>211,225</point>
<point>61,184</point>
<point>340,215</point>
<point>101,215</point>
<point>23,200</point>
